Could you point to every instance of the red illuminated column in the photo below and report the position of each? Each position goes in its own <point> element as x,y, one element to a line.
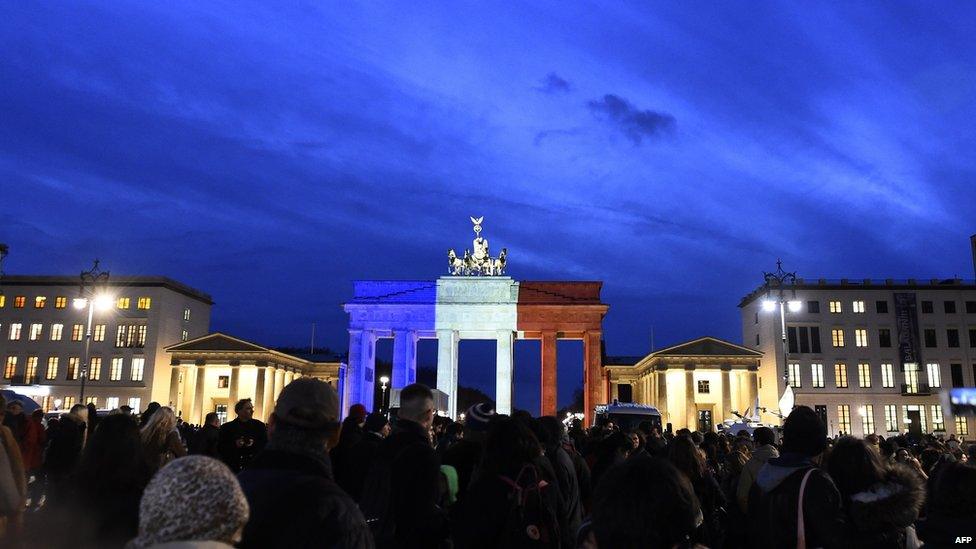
<point>593,390</point>
<point>548,402</point>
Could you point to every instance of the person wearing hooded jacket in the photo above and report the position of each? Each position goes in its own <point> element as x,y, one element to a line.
<point>765,450</point>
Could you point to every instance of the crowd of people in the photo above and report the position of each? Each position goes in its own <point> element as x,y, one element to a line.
<point>419,480</point>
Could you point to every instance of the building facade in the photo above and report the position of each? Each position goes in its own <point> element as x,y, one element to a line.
<point>42,338</point>
<point>870,356</point>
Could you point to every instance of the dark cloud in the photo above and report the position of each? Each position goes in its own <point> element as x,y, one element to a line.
<point>553,83</point>
<point>633,122</point>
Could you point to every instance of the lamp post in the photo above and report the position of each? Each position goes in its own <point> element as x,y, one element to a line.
<point>384,381</point>
<point>781,293</point>
<point>90,280</point>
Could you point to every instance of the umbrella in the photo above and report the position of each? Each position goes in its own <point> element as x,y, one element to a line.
<point>27,402</point>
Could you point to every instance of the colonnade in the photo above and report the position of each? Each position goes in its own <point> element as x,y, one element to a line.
<point>189,388</point>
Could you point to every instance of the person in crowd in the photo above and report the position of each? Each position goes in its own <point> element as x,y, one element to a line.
<point>777,498</point>
<point>611,451</point>
<point>92,418</point>
<point>508,504</point>
<point>551,432</point>
<point>64,450</point>
<point>401,491</point>
<point>350,434</point>
<point>193,502</point>
<point>293,498</point>
<point>655,442</point>
<point>465,455</point>
<point>688,459</point>
<point>881,503</point>
<point>765,442</point>
<point>148,413</point>
<point>35,439</point>
<point>453,433</point>
<point>125,410</point>
<point>241,439</point>
<point>13,480</point>
<point>951,508</point>
<point>206,441</point>
<point>363,454</point>
<point>160,441</point>
<point>16,421</point>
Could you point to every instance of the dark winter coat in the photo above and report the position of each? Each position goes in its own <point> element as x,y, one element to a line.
<point>295,503</point>
<point>572,507</point>
<point>880,517</point>
<point>255,436</point>
<point>206,442</point>
<point>361,458</point>
<point>464,456</point>
<point>64,448</point>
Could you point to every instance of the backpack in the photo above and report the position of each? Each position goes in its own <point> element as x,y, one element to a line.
<point>530,521</point>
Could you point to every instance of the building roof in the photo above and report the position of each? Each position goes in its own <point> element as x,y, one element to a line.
<point>114,281</point>
<point>707,346</point>
<point>217,341</point>
<point>914,284</point>
<point>622,360</point>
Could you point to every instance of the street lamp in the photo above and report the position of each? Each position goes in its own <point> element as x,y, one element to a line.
<point>87,297</point>
<point>384,380</point>
<point>777,284</point>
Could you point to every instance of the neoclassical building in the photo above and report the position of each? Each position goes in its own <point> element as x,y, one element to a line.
<point>211,373</point>
<point>696,384</point>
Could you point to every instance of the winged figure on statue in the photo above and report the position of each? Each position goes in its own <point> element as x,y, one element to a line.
<point>477,261</point>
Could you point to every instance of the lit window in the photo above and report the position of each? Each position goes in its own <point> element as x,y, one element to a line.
<point>95,368</point>
<point>122,303</point>
<point>60,302</point>
<point>837,337</point>
<point>962,426</point>
<point>56,331</point>
<point>144,302</point>
<point>861,338</point>
<point>840,374</point>
<point>867,419</point>
<point>30,375</point>
<point>223,382</point>
<point>10,368</point>
<point>911,378</point>
<point>3,301</point>
<point>69,401</point>
<point>134,403</point>
<point>891,418</point>
<point>184,336</point>
<point>92,400</point>
<point>844,418</point>
<point>835,307</point>
<point>73,362</point>
<point>857,306</point>
<point>77,332</point>
<point>141,338</point>
<point>138,366</point>
<point>864,376</point>
<point>47,404</point>
<point>935,374</point>
<point>817,373</point>
<point>703,386</point>
<point>39,302</point>
<point>887,375</point>
<point>52,368</point>
<point>112,403</point>
<point>99,334</point>
<point>938,424</point>
<point>186,314</point>
<point>35,331</point>
<point>115,373</point>
<point>905,409</point>
<point>20,301</point>
<point>15,329</point>
<point>794,374</point>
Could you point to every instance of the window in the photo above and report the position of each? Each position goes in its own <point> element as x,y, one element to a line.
<point>935,375</point>
<point>138,368</point>
<point>99,334</point>
<point>867,419</point>
<point>803,339</point>
<point>835,307</point>
<point>3,300</point>
<point>52,368</point>
<point>130,335</point>
<point>95,368</point>
<point>757,340</point>
<point>134,403</point>
<point>971,307</point>
<point>223,382</point>
<point>840,375</point>
<point>10,369</point>
<point>92,400</point>
<point>15,329</point>
<point>952,337</point>
<point>955,372</point>
<point>813,306</point>
<point>911,378</point>
<point>35,331</point>
<point>864,376</point>
<point>112,403</point>
<point>844,418</point>
<point>891,418</point>
<point>56,331</point>
<point>184,336</point>
<point>60,302</point>
<point>884,337</point>
<point>141,336</point>
<point>122,303</point>
<point>930,338</point>
<point>115,372</point>
<point>77,332</point>
<point>144,303</point>
<point>861,337</point>
<point>30,374</point>
<point>20,301</point>
<point>816,371</point>
<point>40,302</point>
<point>938,423</point>
<point>950,307</point>
<point>881,307</point>
<point>186,315</point>
<point>69,401</point>
<point>703,387</point>
<point>72,368</point>
<point>962,427</point>
<point>837,337</point>
<point>814,340</point>
<point>972,338</point>
<point>47,404</point>
<point>927,307</point>
<point>887,375</point>
<point>794,375</point>
<point>857,306</point>
<point>755,318</point>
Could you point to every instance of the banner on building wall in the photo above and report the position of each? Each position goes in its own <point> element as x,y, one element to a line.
<point>906,317</point>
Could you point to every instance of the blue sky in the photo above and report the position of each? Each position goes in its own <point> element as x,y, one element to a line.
<point>269,155</point>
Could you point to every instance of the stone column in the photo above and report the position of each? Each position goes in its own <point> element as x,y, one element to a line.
<point>548,384</point>
<point>503,372</point>
<point>593,388</point>
<point>279,382</point>
<point>259,406</point>
<point>662,397</point>
<point>404,359</point>
<point>189,394</point>
<point>368,358</point>
<point>447,367</point>
<point>198,396</point>
<point>269,390</point>
<point>235,386</point>
<point>753,391</point>
<point>174,386</point>
<point>726,394</point>
<point>354,373</point>
<point>690,412</point>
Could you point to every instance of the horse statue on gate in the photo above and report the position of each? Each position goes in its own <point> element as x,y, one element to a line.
<point>478,260</point>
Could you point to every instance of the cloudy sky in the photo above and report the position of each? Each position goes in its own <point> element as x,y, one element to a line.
<point>269,156</point>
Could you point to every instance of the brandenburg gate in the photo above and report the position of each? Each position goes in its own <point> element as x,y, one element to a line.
<point>476,300</point>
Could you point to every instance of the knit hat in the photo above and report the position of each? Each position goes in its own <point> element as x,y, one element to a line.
<point>358,411</point>
<point>194,498</point>
<point>375,422</point>
<point>478,416</point>
<point>308,403</point>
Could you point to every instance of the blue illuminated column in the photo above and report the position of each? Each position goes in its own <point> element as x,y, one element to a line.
<point>358,387</point>
<point>447,367</point>
<point>404,358</point>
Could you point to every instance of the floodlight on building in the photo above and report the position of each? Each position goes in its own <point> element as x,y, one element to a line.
<point>794,305</point>
<point>103,302</point>
<point>79,303</point>
<point>769,305</point>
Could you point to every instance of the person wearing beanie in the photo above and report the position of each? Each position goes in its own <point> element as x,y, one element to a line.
<point>774,500</point>
<point>294,499</point>
<point>193,502</point>
<point>466,453</point>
